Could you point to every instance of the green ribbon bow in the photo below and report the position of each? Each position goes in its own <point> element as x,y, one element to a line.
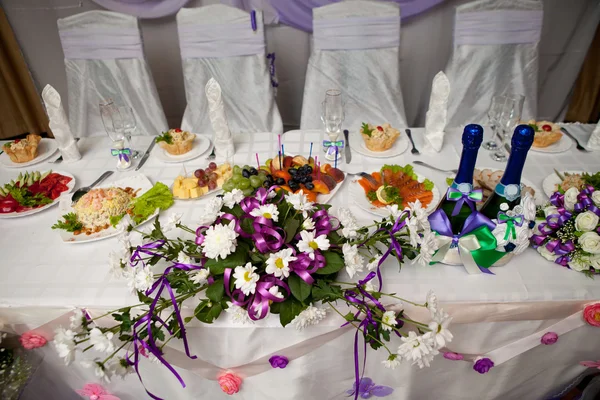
<point>475,195</point>
<point>510,224</point>
<point>329,143</point>
<point>117,152</point>
<point>486,255</point>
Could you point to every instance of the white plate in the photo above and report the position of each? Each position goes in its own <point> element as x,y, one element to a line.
<point>539,199</point>
<point>200,145</point>
<point>562,145</point>
<point>358,144</point>
<point>70,185</point>
<point>135,181</point>
<point>326,198</point>
<point>551,181</point>
<point>357,194</point>
<point>46,149</point>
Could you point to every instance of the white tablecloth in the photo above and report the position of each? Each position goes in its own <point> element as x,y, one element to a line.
<point>41,276</point>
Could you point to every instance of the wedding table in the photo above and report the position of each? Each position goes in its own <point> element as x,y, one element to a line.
<point>43,278</point>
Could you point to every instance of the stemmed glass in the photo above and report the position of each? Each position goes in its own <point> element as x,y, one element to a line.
<point>510,117</point>
<point>129,125</point>
<point>332,115</point>
<point>113,125</point>
<point>494,113</point>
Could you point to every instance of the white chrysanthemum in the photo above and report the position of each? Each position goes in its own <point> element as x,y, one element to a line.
<point>230,199</point>
<point>172,222</point>
<point>139,279</point>
<point>211,211</point>
<point>418,349</point>
<point>394,211</point>
<point>76,319</point>
<point>308,224</point>
<point>388,320</point>
<point>100,371</point>
<point>373,264</point>
<point>200,276</point>
<point>246,278</point>
<point>219,240</point>
<point>428,248</point>
<point>268,211</point>
<point>238,314</point>
<point>183,258</point>
<point>369,287</point>
<point>312,315</point>
<point>102,342</point>
<point>118,367</point>
<point>274,290</point>
<point>64,342</point>
<point>419,214</point>
<point>116,264</point>
<point>439,329</point>
<point>300,203</point>
<point>432,303</point>
<point>278,264</point>
<point>352,259</point>
<point>392,361</point>
<point>309,243</point>
<point>348,222</point>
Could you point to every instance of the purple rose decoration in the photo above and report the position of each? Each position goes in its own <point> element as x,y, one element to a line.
<point>483,365</point>
<point>549,338</point>
<point>278,361</point>
<point>450,355</point>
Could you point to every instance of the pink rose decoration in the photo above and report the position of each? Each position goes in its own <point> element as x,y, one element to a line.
<point>450,355</point>
<point>549,338</point>
<point>230,383</point>
<point>93,391</point>
<point>591,314</point>
<point>590,364</point>
<point>31,340</point>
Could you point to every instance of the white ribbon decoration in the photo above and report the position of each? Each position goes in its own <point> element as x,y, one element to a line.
<point>466,245</point>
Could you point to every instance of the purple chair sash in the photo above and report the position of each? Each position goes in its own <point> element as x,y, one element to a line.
<point>355,33</point>
<point>498,27</point>
<point>101,43</point>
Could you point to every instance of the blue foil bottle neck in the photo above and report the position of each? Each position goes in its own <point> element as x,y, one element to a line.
<point>520,144</point>
<point>471,140</point>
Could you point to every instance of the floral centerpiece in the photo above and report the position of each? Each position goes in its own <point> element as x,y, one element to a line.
<point>567,230</point>
<point>272,253</point>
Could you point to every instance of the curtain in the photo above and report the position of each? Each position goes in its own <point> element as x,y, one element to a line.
<point>21,109</point>
<point>585,103</point>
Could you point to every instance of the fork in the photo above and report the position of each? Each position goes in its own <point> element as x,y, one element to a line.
<point>424,164</point>
<point>363,175</point>
<point>212,155</point>
<point>414,148</point>
<point>579,147</point>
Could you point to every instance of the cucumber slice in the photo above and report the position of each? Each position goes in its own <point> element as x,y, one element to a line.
<point>37,176</point>
<point>20,177</point>
<point>45,174</point>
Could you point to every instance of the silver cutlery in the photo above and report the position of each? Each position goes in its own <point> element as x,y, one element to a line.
<point>414,148</point>
<point>347,148</point>
<point>59,159</point>
<point>146,155</point>
<point>363,175</point>
<point>579,147</point>
<point>81,191</point>
<point>212,155</point>
<point>424,164</point>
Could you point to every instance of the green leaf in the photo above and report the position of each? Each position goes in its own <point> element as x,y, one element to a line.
<point>115,219</point>
<point>323,291</point>
<point>144,299</point>
<point>289,309</point>
<point>275,308</point>
<point>209,314</point>
<point>291,227</point>
<point>216,291</point>
<point>333,263</point>
<point>349,317</point>
<point>246,226</point>
<point>218,267</point>
<point>299,288</point>
<point>70,223</point>
<point>385,335</point>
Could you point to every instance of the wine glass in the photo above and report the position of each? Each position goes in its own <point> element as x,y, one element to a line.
<point>494,113</point>
<point>510,117</point>
<point>332,115</point>
<point>129,125</point>
<point>113,125</point>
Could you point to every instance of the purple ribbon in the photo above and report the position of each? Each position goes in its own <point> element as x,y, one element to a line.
<point>304,266</point>
<point>553,223</point>
<point>584,201</point>
<point>470,198</point>
<point>145,249</point>
<point>253,20</point>
<point>271,60</point>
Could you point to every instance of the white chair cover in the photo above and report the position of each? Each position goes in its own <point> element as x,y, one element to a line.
<point>495,52</point>
<point>104,59</point>
<point>218,42</point>
<point>356,50</point>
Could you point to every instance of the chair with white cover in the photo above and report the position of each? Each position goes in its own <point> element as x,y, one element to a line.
<point>104,59</point>
<point>219,42</point>
<point>495,52</point>
<point>355,49</point>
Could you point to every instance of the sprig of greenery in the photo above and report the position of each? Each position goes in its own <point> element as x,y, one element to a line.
<point>366,130</point>
<point>70,223</point>
<point>164,137</point>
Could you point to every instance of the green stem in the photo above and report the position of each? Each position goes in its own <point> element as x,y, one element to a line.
<point>115,352</point>
<point>404,300</point>
<point>414,323</point>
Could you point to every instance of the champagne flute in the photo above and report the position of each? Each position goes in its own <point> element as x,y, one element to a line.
<point>511,115</point>
<point>113,125</point>
<point>494,113</point>
<point>129,125</point>
<point>332,115</point>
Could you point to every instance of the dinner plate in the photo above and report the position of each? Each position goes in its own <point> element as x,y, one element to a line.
<point>357,194</point>
<point>70,185</point>
<point>562,145</point>
<point>550,182</point>
<point>200,145</point>
<point>358,144</point>
<point>326,198</point>
<point>188,174</point>
<point>46,148</point>
<point>137,182</point>
<point>539,199</point>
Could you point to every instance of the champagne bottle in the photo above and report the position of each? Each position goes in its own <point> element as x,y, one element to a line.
<point>456,209</point>
<point>508,190</point>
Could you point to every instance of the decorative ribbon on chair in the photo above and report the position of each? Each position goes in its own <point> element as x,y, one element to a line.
<point>498,27</point>
<point>356,33</point>
<point>464,197</point>
<point>101,43</point>
<point>220,40</point>
<point>510,222</point>
<point>476,243</point>
<point>271,60</point>
<point>122,153</point>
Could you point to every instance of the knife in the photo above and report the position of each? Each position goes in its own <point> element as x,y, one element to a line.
<point>348,153</point>
<point>146,155</point>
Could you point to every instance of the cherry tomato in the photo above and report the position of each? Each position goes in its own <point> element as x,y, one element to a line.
<point>547,128</point>
<point>379,128</point>
<point>177,130</point>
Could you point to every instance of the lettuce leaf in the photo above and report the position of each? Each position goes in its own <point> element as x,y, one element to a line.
<point>144,206</point>
<point>407,169</point>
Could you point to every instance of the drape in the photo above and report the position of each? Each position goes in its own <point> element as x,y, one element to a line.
<point>21,109</point>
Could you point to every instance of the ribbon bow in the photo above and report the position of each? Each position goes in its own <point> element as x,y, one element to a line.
<point>510,222</point>
<point>122,153</point>
<point>476,243</point>
<point>474,196</point>
<point>329,143</point>
<point>584,201</point>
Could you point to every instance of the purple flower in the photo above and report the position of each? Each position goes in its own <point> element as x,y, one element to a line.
<point>450,355</point>
<point>279,361</point>
<point>549,338</point>
<point>483,365</point>
<point>366,389</point>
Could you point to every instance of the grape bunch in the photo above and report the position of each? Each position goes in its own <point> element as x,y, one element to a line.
<point>207,177</point>
<point>301,175</point>
<point>248,179</point>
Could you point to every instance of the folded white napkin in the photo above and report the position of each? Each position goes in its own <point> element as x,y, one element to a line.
<point>594,140</point>
<point>59,124</point>
<point>436,117</point>
<point>223,139</point>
